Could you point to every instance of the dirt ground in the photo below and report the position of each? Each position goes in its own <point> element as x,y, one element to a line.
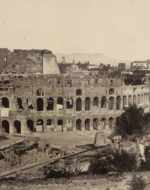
<point>82,183</point>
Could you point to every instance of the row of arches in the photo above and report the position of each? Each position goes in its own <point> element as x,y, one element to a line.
<point>79,123</point>
<point>95,102</point>
<point>40,92</point>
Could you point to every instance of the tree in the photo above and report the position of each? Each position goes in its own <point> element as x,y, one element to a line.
<point>130,121</point>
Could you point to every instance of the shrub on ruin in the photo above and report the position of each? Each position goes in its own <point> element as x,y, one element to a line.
<point>133,119</point>
<point>115,163</point>
<point>137,183</point>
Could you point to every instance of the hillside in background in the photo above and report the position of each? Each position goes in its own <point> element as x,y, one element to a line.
<point>94,59</point>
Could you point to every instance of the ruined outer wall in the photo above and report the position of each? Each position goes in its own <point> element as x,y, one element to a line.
<point>96,115</point>
<point>50,65</point>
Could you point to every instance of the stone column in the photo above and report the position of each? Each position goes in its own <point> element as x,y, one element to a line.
<point>83,125</point>
<point>83,104</point>
<point>74,124</point>
<point>11,126</point>
<point>44,104</point>
<point>64,125</point>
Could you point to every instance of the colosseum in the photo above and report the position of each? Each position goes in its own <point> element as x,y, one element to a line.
<point>49,101</point>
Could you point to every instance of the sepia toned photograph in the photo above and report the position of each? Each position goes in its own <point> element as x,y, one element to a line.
<point>74,95</point>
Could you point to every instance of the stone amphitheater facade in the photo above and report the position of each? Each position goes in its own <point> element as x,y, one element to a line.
<point>51,103</point>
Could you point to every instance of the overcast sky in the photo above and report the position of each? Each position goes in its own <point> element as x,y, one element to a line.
<point>117,28</point>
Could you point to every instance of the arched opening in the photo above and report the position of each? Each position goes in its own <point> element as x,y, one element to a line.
<point>78,92</point>
<point>138,99</point>
<point>78,124</point>
<point>30,125</point>
<point>134,99</point>
<point>60,125</point>
<point>118,103</point>
<point>111,123</point>
<point>96,102</point>
<point>78,104</point>
<point>111,91</point>
<point>87,124</point>
<point>111,103</point>
<point>60,103</point>
<point>134,90</point>
<point>103,102</point>
<point>95,124</point>
<point>69,124</point>
<point>5,126</point>
<point>124,102</point>
<point>29,104</point>
<point>49,124</point>
<point>19,102</point>
<point>40,126</point>
<point>39,104</point>
<point>39,92</point>
<point>87,104</point>
<point>130,100</point>
<point>69,103</point>
<point>142,99</point>
<point>17,125</point>
<point>5,102</point>
<point>50,104</point>
<point>103,123</point>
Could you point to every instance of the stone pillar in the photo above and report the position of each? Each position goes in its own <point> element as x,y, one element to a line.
<point>55,104</point>
<point>64,103</point>
<point>91,125</point>
<point>11,126</point>
<point>24,104</point>
<point>74,105</point>
<point>55,124</point>
<point>83,104</point>
<point>83,125</point>
<point>64,124</point>
<point>44,104</point>
<point>74,124</point>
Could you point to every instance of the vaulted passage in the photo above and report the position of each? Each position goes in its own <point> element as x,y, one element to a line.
<point>134,99</point>
<point>17,126</point>
<point>5,126</point>
<point>50,104</point>
<point>103,123</point>
<point>60,125</point>
<point>87,124</point>
<point>130,100</point>
<point>30,125</point>
<point>39,92</point>
<point>103,102</point>
<point>60,103</point>
<point>40,126</point>
<point>95,124</point>
<point>69,103</point>
<point>78,104</point>
<point>87,104</point>
<point>111,123</point>
<point>78,92</point>
<point>39,104</point>
<point>78,124</point>
<point>5,102</point>
<point>19,102</point>
<point>124,102</point>
<point>118,103</point>
<point>111,103</point>
<point>96,102</point>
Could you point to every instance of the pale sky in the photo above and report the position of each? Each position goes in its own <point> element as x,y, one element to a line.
<point>117,28</point>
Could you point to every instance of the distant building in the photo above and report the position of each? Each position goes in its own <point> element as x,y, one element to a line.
<point>140,64</point>
<point>121,66</point>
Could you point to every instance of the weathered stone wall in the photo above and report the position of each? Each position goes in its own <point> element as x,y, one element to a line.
<point>46,103</point>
